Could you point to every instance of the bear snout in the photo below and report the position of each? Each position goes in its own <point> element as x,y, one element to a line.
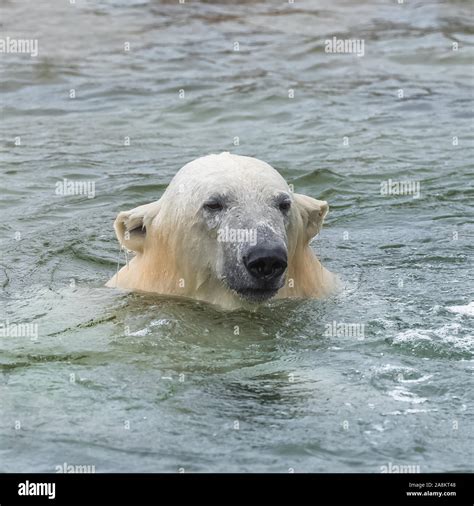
<point>266,262</point>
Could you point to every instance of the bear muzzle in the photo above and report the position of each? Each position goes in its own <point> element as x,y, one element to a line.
<point>266,262</point>
<point>265,266</point>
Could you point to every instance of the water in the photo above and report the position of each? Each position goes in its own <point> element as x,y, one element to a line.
<point>149,383</point>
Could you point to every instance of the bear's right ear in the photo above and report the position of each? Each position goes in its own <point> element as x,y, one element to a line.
<point>131,226</point>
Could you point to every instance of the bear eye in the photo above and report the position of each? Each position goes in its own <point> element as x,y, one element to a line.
<point>213,205</point>
<point>284,206</point>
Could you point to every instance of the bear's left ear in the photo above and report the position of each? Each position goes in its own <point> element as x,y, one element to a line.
<point>312,212</point>
<point>131,226</point>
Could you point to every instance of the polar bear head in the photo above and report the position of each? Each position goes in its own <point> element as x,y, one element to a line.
<point>227,225</point>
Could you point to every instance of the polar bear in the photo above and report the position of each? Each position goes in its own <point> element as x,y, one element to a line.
<point>229,231</point>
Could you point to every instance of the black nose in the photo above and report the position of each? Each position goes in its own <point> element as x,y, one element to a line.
<point>266,262</point>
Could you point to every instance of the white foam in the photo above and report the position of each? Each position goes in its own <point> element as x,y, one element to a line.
<point>140,333</point>
<point>447,334</point>
<point>467,310</point>
<point>162,322</point>
<point>409,411</point>
<point>417,380</point>
<point>403,395</point>
<point>412,335</point>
